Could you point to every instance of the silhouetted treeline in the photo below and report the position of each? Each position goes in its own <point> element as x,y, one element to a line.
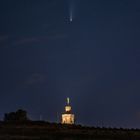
<point>19,115</point>
<point>26,129</point>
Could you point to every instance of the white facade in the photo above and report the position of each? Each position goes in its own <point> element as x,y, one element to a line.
<point>67,118</point>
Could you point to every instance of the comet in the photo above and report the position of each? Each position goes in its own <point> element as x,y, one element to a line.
<point>71,18</point>
<point>71,10</point>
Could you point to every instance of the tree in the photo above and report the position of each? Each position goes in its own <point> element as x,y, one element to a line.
<point>19,115</point>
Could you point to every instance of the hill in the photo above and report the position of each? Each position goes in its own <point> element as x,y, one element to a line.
<point>40,130</point>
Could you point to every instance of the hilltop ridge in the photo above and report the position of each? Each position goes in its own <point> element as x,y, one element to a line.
<point>41,130</point>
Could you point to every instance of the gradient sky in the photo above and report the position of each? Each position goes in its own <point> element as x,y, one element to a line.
<point>94,60</point>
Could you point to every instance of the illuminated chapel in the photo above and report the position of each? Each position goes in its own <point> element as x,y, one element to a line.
<point>67,116</point>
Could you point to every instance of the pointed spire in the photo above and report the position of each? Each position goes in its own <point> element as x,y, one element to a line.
<point>68,100</point>
<point>67,116</point>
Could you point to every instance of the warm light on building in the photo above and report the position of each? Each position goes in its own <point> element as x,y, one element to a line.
<point>67,108</point>
<point>68,117</point>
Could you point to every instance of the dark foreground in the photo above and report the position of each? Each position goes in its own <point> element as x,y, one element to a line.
<point>51,131</point>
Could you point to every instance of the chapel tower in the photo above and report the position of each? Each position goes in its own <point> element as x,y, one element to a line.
<point>67,116</point>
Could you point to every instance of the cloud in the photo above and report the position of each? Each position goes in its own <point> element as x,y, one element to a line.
<point>3,38</point>
<point>40,39</point>
<point>138,115</point>
<point>27,40</point>
<point>35,78</point>
<point>58,36</point>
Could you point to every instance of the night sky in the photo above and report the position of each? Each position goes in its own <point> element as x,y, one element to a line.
<point>94,60</point>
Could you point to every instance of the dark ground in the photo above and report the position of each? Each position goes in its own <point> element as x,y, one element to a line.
<point>51,131</point>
